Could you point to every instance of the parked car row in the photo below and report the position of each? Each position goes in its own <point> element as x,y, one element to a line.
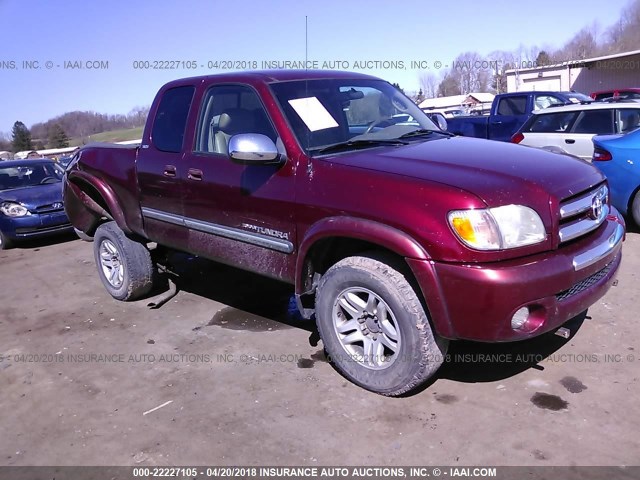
<point>30,201</point>
<point>570,129</point>
<point>508,112</point>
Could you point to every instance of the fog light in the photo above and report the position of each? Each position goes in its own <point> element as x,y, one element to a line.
<point>519,318</point>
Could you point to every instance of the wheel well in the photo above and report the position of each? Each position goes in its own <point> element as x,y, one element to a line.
<point>93,194</point>
<point>329,251</point>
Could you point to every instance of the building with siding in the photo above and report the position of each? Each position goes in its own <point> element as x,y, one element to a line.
<point>621,70</point>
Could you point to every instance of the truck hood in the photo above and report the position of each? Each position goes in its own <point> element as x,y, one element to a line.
<point>499,173</point>
<point>34,197</point>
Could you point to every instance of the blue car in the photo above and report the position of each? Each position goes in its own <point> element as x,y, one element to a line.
<point>618,157</point>
<point>30,200</point>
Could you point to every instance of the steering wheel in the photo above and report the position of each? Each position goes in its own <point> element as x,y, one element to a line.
<point>48,180</point>
<point>374,123</point>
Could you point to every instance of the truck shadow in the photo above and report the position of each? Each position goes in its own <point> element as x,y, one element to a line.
<point>472,362</point>
<point>254,303</point>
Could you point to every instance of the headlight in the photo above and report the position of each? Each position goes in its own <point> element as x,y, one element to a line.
<point>11,209</point>
<point>498,228</point>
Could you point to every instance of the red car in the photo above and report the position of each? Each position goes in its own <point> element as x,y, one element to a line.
<point>398,236</point>
<point>617,94</point>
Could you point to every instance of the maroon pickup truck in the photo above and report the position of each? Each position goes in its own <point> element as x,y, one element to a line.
<point>398,236</point>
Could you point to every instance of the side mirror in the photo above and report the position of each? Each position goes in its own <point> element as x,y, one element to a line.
<point>253,149</point>
<point>439,119</point>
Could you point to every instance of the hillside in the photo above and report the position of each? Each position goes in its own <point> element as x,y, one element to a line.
<point>121,135</point>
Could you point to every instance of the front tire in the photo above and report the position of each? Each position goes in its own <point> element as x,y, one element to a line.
<point>374,327</point>
<point>124,265</point>
<point>5,242</point>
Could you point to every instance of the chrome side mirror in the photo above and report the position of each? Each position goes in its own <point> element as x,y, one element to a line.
<point>440,121</point>
<point>253,149</point>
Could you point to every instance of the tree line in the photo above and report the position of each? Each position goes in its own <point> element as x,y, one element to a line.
<point>57,132</point>
<point>591,41</point>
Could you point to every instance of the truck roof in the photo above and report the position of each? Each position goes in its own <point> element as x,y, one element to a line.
<point>273,76</point>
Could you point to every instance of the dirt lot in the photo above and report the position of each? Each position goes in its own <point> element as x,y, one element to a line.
<point>241,381</point>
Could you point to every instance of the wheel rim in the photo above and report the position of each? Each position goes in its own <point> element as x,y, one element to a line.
<point>366,328</point>
<point>111,265</point>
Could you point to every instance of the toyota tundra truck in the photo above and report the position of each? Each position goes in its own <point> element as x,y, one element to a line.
<point>398,237</point>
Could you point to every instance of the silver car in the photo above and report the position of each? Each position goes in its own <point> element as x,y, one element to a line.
<point>569,129</point>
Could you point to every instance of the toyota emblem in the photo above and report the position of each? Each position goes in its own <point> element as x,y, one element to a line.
<point>596,207</point>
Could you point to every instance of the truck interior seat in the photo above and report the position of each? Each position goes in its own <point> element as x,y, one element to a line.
<point>232,122</point>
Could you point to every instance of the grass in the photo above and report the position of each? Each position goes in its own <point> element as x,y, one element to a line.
<point>112,136</point>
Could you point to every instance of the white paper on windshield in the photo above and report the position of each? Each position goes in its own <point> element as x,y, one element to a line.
<point>313,113</point>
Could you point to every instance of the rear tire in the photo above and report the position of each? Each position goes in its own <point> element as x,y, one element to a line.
<point>374,327</point>
<point>635,208</point>
<point>124,265</point>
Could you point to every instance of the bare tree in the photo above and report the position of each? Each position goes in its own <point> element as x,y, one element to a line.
<point>429,84</point>
<point>449,84</point>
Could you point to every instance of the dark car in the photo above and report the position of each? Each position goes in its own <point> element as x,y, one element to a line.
<point>30,200</point>
<point>64,161</point>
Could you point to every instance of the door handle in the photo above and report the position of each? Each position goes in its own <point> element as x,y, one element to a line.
<point>498,122</point>
<point>194,174</point>
<point>570,141</point>
<point>169,171</point>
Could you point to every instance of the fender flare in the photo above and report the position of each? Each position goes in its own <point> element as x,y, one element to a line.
<point>104,191</point>
<point>360,229</point>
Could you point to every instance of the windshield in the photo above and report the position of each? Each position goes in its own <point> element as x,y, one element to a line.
<point>328,112</point>
<point>29,175</point>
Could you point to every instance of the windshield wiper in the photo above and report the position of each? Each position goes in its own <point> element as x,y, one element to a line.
<point>357,144</point>
<point>424,132</point>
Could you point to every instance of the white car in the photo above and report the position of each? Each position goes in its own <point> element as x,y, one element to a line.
<point>569,129</point>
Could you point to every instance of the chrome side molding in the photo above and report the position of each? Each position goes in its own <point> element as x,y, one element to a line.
<point>258,239</point>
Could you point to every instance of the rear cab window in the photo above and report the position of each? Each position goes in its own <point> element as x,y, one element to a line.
<point>170,121</point>
<point>513,105</point>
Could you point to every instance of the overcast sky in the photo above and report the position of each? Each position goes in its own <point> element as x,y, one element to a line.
<point>118,33</point>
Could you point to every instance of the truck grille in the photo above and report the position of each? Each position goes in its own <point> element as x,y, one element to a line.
<point>583,213</point>
<point>586,283</point>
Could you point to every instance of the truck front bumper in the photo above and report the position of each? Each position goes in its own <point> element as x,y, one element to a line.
<point>479,301</point>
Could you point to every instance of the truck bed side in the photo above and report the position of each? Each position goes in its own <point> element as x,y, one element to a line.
<point>103,182</point>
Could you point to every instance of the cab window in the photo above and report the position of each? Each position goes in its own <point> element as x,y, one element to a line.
<point>513,106</point>
<point>171,119</point>
<point>545,101</point>
<point>229,110</point>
